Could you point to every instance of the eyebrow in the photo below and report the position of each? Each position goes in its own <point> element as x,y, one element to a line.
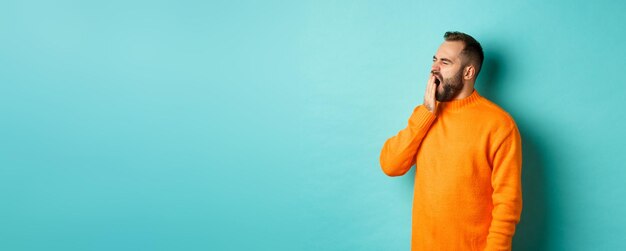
<point>443,59</point>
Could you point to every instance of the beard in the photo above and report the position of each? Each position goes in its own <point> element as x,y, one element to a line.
<point>451,87</point>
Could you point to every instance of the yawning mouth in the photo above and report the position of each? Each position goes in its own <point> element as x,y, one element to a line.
<point>437,81</point>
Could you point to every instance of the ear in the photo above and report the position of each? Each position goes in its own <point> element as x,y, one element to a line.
<point>469,72</point>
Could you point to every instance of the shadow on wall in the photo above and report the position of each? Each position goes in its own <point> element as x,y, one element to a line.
<point>531,233</point>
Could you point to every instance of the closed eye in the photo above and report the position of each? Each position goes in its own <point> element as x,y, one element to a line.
<point>444,60</point>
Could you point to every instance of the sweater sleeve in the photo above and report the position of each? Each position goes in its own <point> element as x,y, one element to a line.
<point>398,153</point>
<point>507,192</point>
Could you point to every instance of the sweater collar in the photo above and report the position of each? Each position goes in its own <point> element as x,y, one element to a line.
<point>458,104</point>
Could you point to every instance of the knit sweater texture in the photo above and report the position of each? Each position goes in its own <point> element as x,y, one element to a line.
<point>468,159</point>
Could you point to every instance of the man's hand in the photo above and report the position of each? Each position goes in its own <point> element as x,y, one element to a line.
<point>429,96</point>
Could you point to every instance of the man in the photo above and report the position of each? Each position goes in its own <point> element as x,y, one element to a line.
<point>467,155</point>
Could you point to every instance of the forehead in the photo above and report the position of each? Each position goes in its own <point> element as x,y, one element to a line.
<point>450,50</point>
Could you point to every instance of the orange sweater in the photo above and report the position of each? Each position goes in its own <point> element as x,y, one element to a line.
<point>468,160</point>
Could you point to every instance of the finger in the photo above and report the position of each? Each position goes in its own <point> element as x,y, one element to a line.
<point>429,100</point>
<point>432,88</point>
<point>430,85</point>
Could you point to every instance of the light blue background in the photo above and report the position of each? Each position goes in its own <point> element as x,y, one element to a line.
<point>249,125</point>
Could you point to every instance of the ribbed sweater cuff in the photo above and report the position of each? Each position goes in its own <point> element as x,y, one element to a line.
<point>421,118</point>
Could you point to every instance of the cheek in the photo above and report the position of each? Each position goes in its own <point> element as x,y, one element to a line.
<point>446,72</point>
<point>449,73</point>
<point>445,75</point>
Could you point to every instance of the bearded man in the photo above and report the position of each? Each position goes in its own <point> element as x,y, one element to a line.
<point>467,154</point>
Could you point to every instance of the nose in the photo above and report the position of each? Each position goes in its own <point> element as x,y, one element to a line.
<point>435,66</point>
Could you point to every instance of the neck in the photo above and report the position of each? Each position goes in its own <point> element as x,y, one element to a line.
<point>459,104</point>
<point>468,89</point>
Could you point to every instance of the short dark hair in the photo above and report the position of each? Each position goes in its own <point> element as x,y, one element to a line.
<point>472,50</point>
